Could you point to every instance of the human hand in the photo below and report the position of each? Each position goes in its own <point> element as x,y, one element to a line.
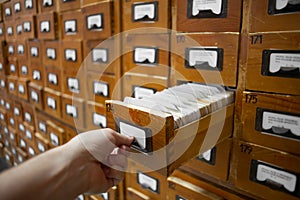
<point>102,155</point>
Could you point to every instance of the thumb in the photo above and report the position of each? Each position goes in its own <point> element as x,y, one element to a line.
<point>119,139</point>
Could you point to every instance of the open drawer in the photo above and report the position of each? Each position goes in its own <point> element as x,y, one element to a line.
<point>160,146</point>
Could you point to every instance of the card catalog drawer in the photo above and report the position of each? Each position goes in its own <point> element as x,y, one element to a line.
<point>146,13</point>
<point>8,157</point>
<point>73,111</point>
<point>101,87</point>
<point>48,6</point>
<point>13,137</point>
<point>11,121</point>
<point>56,134</point>
<point>73,82</point>
<point>13,66</point>
<point>23,69</point>
<point>21,127</point>
<point>8,105</point>
<point>35,51</point>
<point>151,184</point>
<point>21,155</point>
<point>102,55</point>
<point>32,150</point>
<point>40,124</point>
<point>35,93</point>
<point>272,15</point>
<point>29,135</point>
<point>52,102</point>
<point>206,58</point>
<point>266,173</point>
<point>2,31</point>
<point>139,85</point>
<point>18,110</point>
<point>65,5</point>
<point>48,26</point>
<point>41,143</point>
<point>21,48</point>
<point>22,143</point>
<point>12,85</point>
<point>10,31</point>
<point>19,27</point>
<point>145,55</point>
<point>37,74</point>
<point>3,84</point>
<point>28,23</point>
<point>3,117</point>
<point>72,25</point>
<point>28,111</point>
<point>22,87</point>
<point>271,120</point>
<point>11,49</point>
<point>273,62</point>
<point>72,54</point>
<point>53,78</point>
<point>52,52</point>
<point>95,116</point>
<point>98,20</point>
<point>17,8</point>
<point>214,162</point>
<point>29,7</point>
<point>216,16</point>
<point>3,67</point>
<point>8,11</point>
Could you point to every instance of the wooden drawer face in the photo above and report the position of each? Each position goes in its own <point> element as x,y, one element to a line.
<point>146,13</point>
<point>18,28</point>
<point>21,127</point>
<point>29,7</point>
<point>29,135</point>
<point>52,102</point>
<point>100,87</point>
<point>37,74</point>
<point>216,53</point>
<point>65,5</point>
<point>28,111</point>
<point>21,48</point>
<point>12,85</point>
<point>270,120</point>
<point>47,26</point>
<point>23,143</point>
<point>11,121</point>
<point>3,67</point>
<point>10,31</point>
<point>17,8</point>
<point>255,166</point>
<point>3,83</point>
<point>95,117</point>
<point>8,105</point>
<point>8,156</point>
<point>35,52</point>
<point>22,86</point>
<point>32,151</point>
<point>13,67</point>
<point>41,143</point>
<point>3,116</point>
<point>262,51</point>
<point>21,155</point>
<point>217,16</point>
<point>214,162</point>
<point>11,49</point>
<point>72,54</point>
<point>41,124</point>
<point>48,6</point>
<point>145,55</point>
<point>28,23</point>
<point>53,78</point>
<point>52,52</point>
<point>73,111</point>
<point>56,134</point>
<point>23,69</point>
<point>8,11</point>
<point>2,31</point>
<point>139,86</point>
<point>273,15</point>
<point>97,21</point>
<point>18,110</point>
<point>74,82</point>
<point>72,25</point>
<point>102,56</point>
<point>35,93</point>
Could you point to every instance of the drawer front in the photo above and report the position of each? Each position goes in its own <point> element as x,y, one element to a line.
<point>13,67</point>
<point>53,78</point>
<point>37,74</point>
<point>73,82</point>
<point>48,6</point>
<point>23,69</point>
<point>73,111</point>
<point>12,85</point>
<point>56,135</point>
<point>29,114</point>
<point>47,26</point>
<point>22,87</point>
<point>65,5</point>
<point>28,24</point>
<point>52,102</point>
<point>35,52</point>
<point>10,31</point>
<point>29,7</point>
<point>72,54</point>
<point>8,11</point>
<point>96,117</point>
<point>72,25</point>
<point>52,52</point>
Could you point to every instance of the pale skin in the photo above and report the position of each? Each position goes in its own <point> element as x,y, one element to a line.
<point>71,169</point>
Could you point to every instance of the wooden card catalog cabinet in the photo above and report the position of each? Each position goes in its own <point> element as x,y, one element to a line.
<point>11,49</point>
<point>18,110</point>
<point>2,31</point>
<point>154,126</point>
<point>21,155</point>
<point>40,124</point>
<point>56,134</point>
<point>17,8</point>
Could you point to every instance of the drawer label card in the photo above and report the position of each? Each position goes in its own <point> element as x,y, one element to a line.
<point>20,49</point>
<point>283,6</point>
<point>11,86</point>
<point>148,182</point>
<point>7,12</point>
<point>210,58</point>
<point>47,3</point>
<point>73,85</point>
<point>41,147</point>
<point>24,70</point>
<point>274,177</point>
<point>34,51</point>
<point>7,105</point>
<point>101,88</point>
<point>99,120</point>
<point>145,55</point>
<point>27,116</point>
<point>27,26</point>
<point>105,196</point>
<point>100,55</point>
<point>143,136</point>
<point>21,89</point>
<point>145,12</point>
<point>12,68</point>
<point>209,156</point>
<point>21,127</point>
<point>281,63</point>
<point>34,96</point>
<point>17,7</point>
<point>70,55</point>
<point>17,111</point>
<point>6,130</point>
<point>52,78</point>
<point>19,29</point>
<point>51,103</point>
<point>95,22</point>
<point>71,111</point>
<point>12,121</point>
<point>28,135</point>
<point>51,53</point>
<point>22,143</point>
<point>10,49</point>
<point>140,92</point>
<point>70,26</point>
<point>200,5</point>
<point>36,75</point>
<point>45,26</point>
<point>28,4</point>
<point>42,127</point>
<point>54,139</point>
